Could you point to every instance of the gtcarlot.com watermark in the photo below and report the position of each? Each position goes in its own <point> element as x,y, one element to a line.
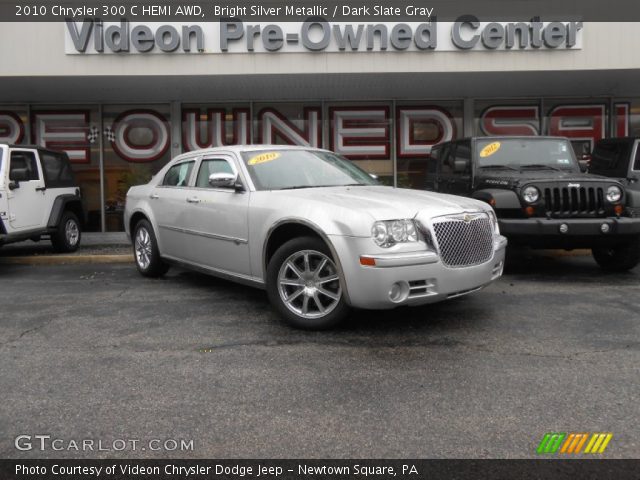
<point>44,443</point>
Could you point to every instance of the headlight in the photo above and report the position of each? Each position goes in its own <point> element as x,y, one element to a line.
<point>494,222</point>
<point>531,194</point>
<point>389,232</point>
<point>614,194</point>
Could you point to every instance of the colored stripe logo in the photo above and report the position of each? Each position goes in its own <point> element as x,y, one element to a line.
<point>573,443</point>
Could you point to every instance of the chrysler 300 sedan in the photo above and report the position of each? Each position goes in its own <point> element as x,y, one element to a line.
<point>314,230</point>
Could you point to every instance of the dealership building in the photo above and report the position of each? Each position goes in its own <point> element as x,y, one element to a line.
<point>123,97</point>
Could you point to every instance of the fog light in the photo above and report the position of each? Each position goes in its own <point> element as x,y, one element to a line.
<point>564,228</point>
<point>604,228</point>
<point>399,292</point>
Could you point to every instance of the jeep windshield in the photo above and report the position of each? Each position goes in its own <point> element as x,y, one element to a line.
<point>293,169</point>
<point>526,154</point>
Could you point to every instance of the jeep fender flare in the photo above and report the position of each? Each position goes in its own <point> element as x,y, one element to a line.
<point>633,197</point>
<point>63,202</point>
<point>498,198</point>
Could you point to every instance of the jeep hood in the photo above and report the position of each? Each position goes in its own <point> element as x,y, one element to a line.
<point>512,179</point>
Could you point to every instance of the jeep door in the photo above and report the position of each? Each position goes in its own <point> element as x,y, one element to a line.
<point>26,194</point>
<point>460,181</point>
<point>444,169</point>
<point>216,219</point>
<point>432,169</point>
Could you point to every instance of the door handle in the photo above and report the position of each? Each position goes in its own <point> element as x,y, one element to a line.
<point>154,196</point>
<point>193,200</point>
<point>40,189</point>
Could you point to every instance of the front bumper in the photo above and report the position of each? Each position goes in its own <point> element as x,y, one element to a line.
<point>419,275</point>
<point>577,227</point>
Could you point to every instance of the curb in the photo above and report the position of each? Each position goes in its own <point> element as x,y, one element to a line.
<point>66,259</point>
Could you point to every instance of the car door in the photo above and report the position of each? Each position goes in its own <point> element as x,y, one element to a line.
<point>26,199</point>
<point>168,203</point>
<point>216,220</point>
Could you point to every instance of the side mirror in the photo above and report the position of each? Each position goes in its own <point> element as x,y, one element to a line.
<point>13,185</point>
<point>584,165</point>
<point>223,180</point>
<point>460,166</point>
<point>19,175</point>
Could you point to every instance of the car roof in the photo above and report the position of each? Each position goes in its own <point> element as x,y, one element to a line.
<point>246,148</point>
<point>510,137</point>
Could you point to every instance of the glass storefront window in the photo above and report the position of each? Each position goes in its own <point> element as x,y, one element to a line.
<point>207,126</point>
<point>419,126</point>
<point>137,145</point>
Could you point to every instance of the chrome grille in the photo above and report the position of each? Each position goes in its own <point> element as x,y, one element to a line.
<point>464,240</point>
<point>574,202</point>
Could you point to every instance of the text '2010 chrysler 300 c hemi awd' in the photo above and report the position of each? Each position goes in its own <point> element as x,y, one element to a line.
<point>313,229</point>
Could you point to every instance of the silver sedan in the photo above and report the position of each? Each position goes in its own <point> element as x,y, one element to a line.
<point>318,233</point>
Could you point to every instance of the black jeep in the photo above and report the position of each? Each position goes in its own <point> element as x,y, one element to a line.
<point>541,196</point>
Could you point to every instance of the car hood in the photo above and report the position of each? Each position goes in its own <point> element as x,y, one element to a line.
<point>385,203</point>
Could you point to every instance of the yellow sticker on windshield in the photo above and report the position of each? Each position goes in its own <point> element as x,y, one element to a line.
<point>490,149</point>
<point>263,158</point>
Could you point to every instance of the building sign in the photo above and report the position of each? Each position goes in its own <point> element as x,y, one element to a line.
<point>317,35</point>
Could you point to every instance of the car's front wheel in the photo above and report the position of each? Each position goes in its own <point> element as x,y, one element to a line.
<point>620,258</point>
<point>66,238</point>
<point>304,286</point>
<point>145,250</point>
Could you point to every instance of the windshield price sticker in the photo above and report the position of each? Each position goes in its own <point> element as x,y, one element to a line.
<point>490,149</point>
<point>263,158</point>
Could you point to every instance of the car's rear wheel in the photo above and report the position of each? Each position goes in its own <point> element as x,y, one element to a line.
<point>145,250</point>
<point>66,238</point>
<point>620,258</point>
<point>304,286</point>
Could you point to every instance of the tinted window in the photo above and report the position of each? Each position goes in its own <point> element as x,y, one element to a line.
<point>24,163</point>
<point>609,158</point>
<point>636,163</point>
<point>178,175</point>
<point>445,159</point>
<point>56,168</point>
<point>210,166</point>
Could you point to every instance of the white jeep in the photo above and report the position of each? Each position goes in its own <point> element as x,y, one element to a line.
<point>38,197</point>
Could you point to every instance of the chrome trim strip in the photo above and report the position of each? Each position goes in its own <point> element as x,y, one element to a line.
<point>387,260</point>
<point>216,272</point>
<point>206,235</point>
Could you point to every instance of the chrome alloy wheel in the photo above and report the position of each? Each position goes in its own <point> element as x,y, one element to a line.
<point>143,248</point>
<point>309,285</point>
<point>71,232</point>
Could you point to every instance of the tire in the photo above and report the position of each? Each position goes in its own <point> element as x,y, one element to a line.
<point>304,271</point>
<point>145,251</point>
<point>66,238</point>
<point>620,258</point>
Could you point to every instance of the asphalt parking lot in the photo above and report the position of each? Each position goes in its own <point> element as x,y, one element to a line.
<point>98,352</point>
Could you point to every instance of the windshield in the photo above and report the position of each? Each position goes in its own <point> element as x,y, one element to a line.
<point>289,169</point>
<point>525,153</point>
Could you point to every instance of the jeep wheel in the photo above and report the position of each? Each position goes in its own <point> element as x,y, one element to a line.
<point>304,286</point>
<point>66,238</point>
<point>145,251</point>
<point>619,259</point>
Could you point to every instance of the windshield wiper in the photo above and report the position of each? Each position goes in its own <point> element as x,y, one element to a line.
<point>498,167</point>
<point>540,165</point>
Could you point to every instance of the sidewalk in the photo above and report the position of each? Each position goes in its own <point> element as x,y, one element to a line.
<point>95,247</point>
